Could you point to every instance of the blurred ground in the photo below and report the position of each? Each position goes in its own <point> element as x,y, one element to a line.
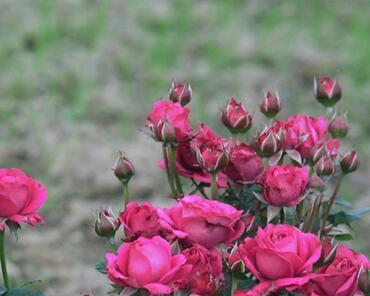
<point>77,79</point>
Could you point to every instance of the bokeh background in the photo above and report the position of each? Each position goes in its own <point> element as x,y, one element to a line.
<point>77,78</point>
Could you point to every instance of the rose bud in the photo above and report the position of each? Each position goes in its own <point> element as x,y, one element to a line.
<point>316,183</point>
<point>235,117</point>
<point>106,223</point>
<point>325,167</point>
<point>163,132</point>
<point>180,92</point>
<point>270,145</point>
<point>349,162</point>
<point>339,127</point>
<point>318,152</point>
<point>270,105</point>
<point>212,159</point>
<point>327,91</point>
<point>123,168</point>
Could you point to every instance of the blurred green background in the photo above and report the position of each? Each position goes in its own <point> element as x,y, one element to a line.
<point>77,78</point>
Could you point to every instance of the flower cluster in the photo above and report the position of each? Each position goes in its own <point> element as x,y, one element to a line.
<point>255,213</point>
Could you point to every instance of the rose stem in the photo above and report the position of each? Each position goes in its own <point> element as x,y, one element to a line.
<point>168,170</point>
<point>3,260</point>
<point>234,283</point>
<point>214,189</point>
<point>174,170</point>
<point>126,196</point>
<point>330,205</point>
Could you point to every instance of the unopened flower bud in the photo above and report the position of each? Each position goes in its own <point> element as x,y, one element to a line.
<point>318,152</point>
<point>180,92</point>
<point>339,127</point>
<point>212,160</point>
<point>349,162</point>
<point>325,167</point>
<point>270,105</point>
<point>163,132</point>
<point>106,223</point>
<point>235,117</point>
<point>327,91</point>
<point>123,168</point>
<point>270,145</point>
<point>317,183</point>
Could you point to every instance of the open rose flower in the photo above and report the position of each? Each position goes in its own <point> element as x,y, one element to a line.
<point>244,164</point>
<point>280,254</point>
<point>147,264</point>
<point>144,220</point>
<point>285,185</point>
<point>21,197</point>
<point>186,159</point>
<point>341,277</point>
<point>206,222</point>
<point>206,276</point>
<point>169,120</point>
<point>302,132</point>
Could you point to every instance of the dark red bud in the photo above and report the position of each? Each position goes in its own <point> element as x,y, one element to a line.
<point>180,92</point>
<point>318,152</point>
<point>339,127</point>
<point>325,167</point>
<point>235,117</point>
<point>327,91</point>
<point>106,223</point>
<point>270,145</point>
<point>123,168</point>
<point>270,105</point>
<point>212,160</point>
<point>349,162</point>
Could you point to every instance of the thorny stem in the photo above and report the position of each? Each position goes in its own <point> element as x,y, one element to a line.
<point>3,260</point>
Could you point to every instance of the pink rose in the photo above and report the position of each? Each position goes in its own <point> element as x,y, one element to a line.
<point>244,164</point>
<point>206,222</point>
<point>186,160</point>
<point>21,197</point>
<point>332,146</point>
<point>280,254</point>
<point>174,116</point>
<point>206,276</point>
<point>285,185</point>
<point>341,277</point>
<point>235,117</point>
<point>302,132</point>
<point>147,264</point>
<point>146,221</point>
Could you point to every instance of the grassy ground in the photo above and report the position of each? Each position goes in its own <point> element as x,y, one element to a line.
<point>78,77</point>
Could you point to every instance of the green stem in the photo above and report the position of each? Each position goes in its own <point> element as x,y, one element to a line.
<point>282,216</point>
<point>126,196</point>
<point>112,244</point>
<point>214,189</point>
<point>169,170</point>
<point>3,260</point>
<point>299,214</point>
<point>175,174</point>
<point>234,283</point>
<point>330,205</point>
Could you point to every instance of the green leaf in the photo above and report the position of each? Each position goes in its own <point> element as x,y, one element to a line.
<point>359,212</point>
<point>342,218</point>
<point>100,267</point>
<point>23,292</point>
<point>342,202</point>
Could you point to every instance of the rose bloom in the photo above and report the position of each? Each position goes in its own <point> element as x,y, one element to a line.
<point>302,132</point>
<point>186,160</point>
<point>206,222</point>
<point>341,277</point>
<point>280,254</point>
<point>244,164</point>
<point>206,276</point>
<point>147,264</point>
<point>146,221</point>
<point>21,197</point>
<point>176,115</point>
<point>332,146</point>
<point>285,185</point>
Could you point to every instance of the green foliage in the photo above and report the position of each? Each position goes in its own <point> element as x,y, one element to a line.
<point>100,267</point>
<point>21,292</point>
